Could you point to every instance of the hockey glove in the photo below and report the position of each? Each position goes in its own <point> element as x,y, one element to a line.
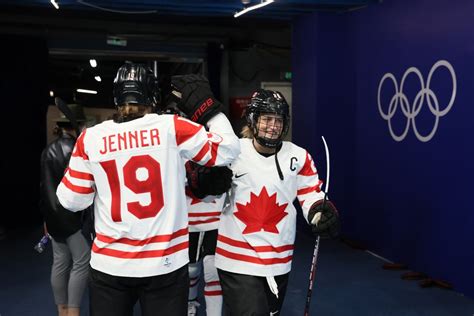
<point>205,181</point>
<point>194,97</point>
<point>324,219</point>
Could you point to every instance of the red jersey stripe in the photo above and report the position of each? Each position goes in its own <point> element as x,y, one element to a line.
<point>80,175</point>
<point>316,188</point>
<point>251,259</point>
<point>202,153</point>
<point>139,254</point>
<point>142,242</point>
<point>76,188</point>
<point>242,244</point>
<point>212,161</point>
<point>212,293</point>
<point>213,283</point>
<point>204,214</point>
<point>210,220</point>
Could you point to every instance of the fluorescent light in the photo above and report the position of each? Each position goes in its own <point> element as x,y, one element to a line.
<point>86,91</point>
<point>262,4</point>
<point>55,4</point>
<point>93,63</point>
<point>97,78</point>
<point>51,93</point>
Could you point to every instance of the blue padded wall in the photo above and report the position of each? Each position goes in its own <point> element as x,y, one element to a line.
<point>406,195</point>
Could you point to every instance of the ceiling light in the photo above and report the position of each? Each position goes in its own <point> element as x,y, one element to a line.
<point>97,78</point>
<point>262,4</point>
<point>86,91</point>
<point>93,63</point>
<point>51,93</point>
<point>55,4</point>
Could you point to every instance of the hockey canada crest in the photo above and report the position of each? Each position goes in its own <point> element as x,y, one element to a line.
<point>262,212</point>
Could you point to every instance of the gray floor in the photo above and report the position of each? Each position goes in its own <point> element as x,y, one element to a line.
<point>348,282</point>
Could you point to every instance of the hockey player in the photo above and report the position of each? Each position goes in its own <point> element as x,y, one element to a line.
<point>205,199</point>
<point>205,196</point>
<point>257,231</point>
<point>132,169</point>
<point>71,250</point>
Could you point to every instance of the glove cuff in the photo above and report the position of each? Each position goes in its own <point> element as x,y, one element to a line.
<point>207,110</point>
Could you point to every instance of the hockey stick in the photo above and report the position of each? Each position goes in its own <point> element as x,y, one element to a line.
<point>62,106</point>
<point>312,272</point>
<point>199,245</point>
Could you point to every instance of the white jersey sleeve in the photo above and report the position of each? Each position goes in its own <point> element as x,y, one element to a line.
<point>77,178</point>
<point>218,147</point>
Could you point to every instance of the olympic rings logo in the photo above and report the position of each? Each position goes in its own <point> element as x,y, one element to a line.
<point>411,111</point>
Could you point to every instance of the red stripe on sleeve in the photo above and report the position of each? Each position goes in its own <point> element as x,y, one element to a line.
<point>185,129</point>
<point>80,175</point>
<point>76,188</point>
<point>203,152</point>
<point>307,169</point>
<point>212,161</point>
<point>316,188</point>
<point>79,150</point>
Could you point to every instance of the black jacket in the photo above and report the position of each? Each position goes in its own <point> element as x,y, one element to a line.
<point>60,222</point>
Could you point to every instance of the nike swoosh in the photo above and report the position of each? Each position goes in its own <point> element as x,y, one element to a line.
<point>240,175</point>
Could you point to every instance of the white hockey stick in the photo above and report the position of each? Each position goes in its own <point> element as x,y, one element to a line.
<point>312,272</point>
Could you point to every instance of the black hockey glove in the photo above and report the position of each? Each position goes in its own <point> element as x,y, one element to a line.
<point>194,97</point>
<point>205,181</point>
<point>324,219</point>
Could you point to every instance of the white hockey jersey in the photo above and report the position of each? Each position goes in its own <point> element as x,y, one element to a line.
<point>257,230</point>
<point>204,213</point>
<point>134,174</point>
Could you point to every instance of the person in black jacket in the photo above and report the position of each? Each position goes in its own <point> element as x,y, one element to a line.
<point>71,251</point>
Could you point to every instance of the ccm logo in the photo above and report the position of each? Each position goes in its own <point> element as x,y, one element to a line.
<point>201,109</point>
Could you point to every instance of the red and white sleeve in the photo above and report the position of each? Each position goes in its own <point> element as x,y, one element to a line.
<point>76,190</point>
<point>220,146</point>
<point>309,185</point>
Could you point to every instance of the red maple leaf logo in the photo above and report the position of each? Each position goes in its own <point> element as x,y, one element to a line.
<point>261,213</point>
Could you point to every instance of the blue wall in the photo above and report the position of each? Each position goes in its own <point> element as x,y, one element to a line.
<point>408,199</point>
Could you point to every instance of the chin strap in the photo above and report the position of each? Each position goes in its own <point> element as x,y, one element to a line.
<point>280,174</point>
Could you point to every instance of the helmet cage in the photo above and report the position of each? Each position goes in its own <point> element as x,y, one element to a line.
<point>267,102</point>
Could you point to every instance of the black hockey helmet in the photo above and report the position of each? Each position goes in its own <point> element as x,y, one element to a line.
<point>267,102</point>
<point>136,84</point>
